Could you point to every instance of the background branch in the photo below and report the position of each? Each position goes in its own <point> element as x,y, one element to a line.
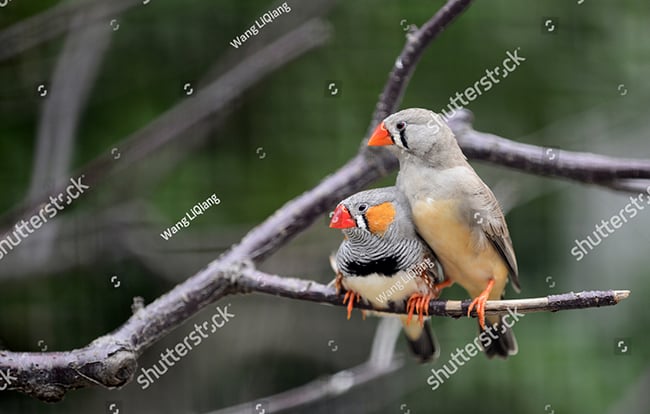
<point>213,98</point>
<point>72,81</point>
<point>380,364</point>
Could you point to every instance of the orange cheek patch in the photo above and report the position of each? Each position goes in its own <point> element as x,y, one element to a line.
<point>380,217</point>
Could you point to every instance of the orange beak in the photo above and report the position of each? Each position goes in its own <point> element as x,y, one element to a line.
<point>380,137</point>
<point>342,218</point>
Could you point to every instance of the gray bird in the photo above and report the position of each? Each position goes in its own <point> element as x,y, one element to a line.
<point>383,261</point>
<point>455,212</point>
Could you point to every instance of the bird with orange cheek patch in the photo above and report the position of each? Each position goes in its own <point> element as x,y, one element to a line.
<point>455,213</point>
<point>383,261</point>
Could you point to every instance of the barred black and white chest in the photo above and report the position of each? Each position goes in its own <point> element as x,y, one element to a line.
<point>363,254</point>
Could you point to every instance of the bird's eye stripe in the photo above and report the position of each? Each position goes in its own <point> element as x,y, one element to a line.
<point>402,138</point>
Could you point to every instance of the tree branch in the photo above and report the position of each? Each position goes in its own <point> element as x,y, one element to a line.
<point>583,167</point>
<point>111,359</point>
<point>407,60</point>
<point>255,281</point>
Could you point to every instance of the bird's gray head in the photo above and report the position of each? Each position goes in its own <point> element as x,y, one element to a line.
<point>381,212</point>
<point>420,133</point>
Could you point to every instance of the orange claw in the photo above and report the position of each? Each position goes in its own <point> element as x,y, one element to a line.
<point>479,302</point>
<point>350,297</point>
<point>418,303</point>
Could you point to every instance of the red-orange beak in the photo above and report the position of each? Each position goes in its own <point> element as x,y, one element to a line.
<point>380,137</point>
<point>342,218</point>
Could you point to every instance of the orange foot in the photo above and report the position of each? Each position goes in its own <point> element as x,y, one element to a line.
<point>350,297</point>
<point>418,303</point>
<point>479,302</point>
<point>437,288</point>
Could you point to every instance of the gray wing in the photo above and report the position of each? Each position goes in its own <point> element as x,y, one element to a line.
<point>494,226</point>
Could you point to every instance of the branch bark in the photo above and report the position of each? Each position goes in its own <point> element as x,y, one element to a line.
<point>582,167</point>
<point>255,281</point>
<point>407,60</point>
<point>111,360</point>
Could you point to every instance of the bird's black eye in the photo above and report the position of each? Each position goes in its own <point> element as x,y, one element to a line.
<point>363,207</point>
<point>400,125</point>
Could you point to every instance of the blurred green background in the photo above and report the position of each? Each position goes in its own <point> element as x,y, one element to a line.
<point>566,94</point>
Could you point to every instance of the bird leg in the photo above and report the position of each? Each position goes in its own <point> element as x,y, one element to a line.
<point>338,282</point>
<point>419,303</point>
<point>479,302</point>
<point>437,287</point>
<point>350,297</point>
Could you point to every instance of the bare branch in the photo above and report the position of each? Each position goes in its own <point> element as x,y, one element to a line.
<point>367,166</point>
<point>407,60</point>
<point>577,166</point>
<point>111,360</point>
<point>256,281</point>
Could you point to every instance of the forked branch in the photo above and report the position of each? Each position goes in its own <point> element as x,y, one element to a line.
<point>111,360</point>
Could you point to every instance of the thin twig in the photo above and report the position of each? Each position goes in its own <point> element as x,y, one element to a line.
<point>256,281</point>
<point>407,60</point>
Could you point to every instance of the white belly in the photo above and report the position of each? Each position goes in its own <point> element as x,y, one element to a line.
<point>379,290</point>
